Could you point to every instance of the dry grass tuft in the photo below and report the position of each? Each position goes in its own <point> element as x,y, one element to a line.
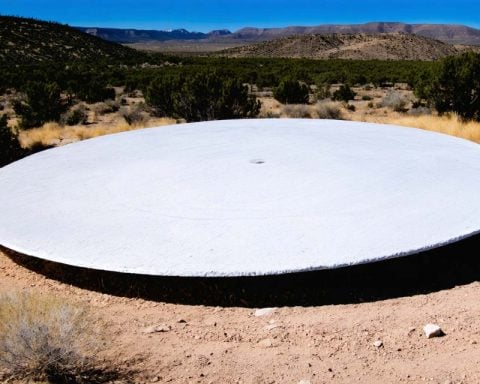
<point>448,124</point>
<point>320,110</point>
<point>52,134</point>
<point>296,111</point>
<point>327,110</point>
<point>48,134</point>
<point>394,100</point>
<point>45,338</point>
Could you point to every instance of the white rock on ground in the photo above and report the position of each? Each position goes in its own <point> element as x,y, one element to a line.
<point>157,328</point>
<point>262,312</point>
<point>432,330</point>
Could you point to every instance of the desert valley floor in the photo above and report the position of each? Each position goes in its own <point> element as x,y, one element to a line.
<point>317,344</point>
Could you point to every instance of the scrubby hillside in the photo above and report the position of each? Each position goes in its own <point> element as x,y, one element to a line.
<point>25,41</point>
<point>386,46</point>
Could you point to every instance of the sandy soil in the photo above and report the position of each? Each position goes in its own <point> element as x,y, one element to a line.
<point>316,344</point>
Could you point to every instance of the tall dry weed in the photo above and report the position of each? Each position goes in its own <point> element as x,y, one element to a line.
<point>327,110</point>
<point>52,134</point>
<point>45,338</point>
<point>447,124</point>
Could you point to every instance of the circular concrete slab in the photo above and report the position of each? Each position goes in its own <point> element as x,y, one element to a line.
<point>244,197</point>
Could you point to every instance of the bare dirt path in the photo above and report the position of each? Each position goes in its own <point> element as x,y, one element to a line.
<point>319,344</point>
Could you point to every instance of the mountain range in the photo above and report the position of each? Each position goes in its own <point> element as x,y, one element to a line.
<point>448,33</point>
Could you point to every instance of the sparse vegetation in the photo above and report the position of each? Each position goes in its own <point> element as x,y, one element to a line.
<point>60,43</point>
<point>44,338</point>
<point>204,88</point>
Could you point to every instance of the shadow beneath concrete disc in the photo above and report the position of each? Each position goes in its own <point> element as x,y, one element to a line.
<point>429,271</point>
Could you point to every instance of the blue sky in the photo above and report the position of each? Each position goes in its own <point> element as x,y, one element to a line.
<point>203,15</point>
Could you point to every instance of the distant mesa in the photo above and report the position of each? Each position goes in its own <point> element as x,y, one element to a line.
<point>120,35</point>
<point>448,33</point>
<point>242,197</point>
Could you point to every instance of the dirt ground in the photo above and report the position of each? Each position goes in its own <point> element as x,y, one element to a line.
<point>314,344</point>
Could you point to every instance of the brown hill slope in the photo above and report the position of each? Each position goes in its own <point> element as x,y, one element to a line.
<point>385,46</point>
<point>28,41</point>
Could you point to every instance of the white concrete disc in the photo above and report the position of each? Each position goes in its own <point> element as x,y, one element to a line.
<point>242,197</point>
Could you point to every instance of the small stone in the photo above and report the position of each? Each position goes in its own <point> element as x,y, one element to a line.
<point>378,343</point>
<point>264,312</point>
<point>432,330</point>
<point>211,322</point>
<point>157,328</point>
<point>267,343</point>
<point>473,342</point>
<point>270,327</point>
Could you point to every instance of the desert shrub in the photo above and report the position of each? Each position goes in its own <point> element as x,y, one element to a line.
<point>75,116</point>
<point>134,115</point>
<point>454,86</point>
<point>202,96</point>
<point>418,104</point>
<point>350,107</point>
<point>10,149</point>
<point>296,111</point>
<point>395,101</point>
<point>370,104</point>
<point>418,111</point>
<point>327,110</point>
<point>160,94</point>
<point>323,91</point>
<point>291,92</point>
<point>104,107</point>
<point>344,93</point>
<point>42,103</point>
<point>45,338</point>
<point>366,98</point>
<point>113,105</point>
<point>94,91</point>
